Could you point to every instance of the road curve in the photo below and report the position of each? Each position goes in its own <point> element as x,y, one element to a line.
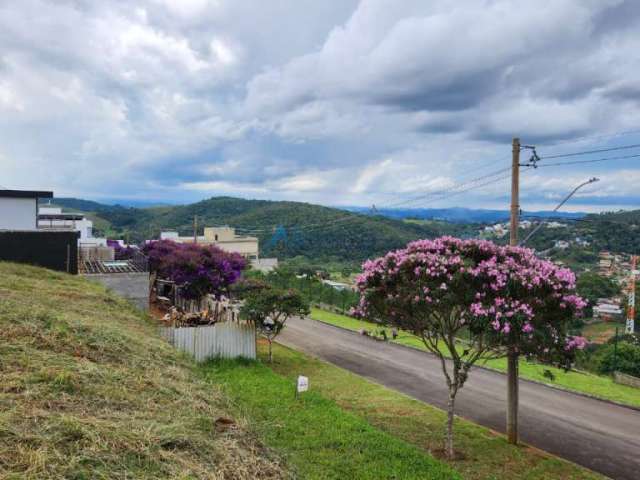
<point>589,432</point>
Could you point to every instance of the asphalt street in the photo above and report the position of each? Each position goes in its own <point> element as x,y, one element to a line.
<point>593,433</point>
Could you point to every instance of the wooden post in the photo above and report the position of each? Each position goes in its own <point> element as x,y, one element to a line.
<point>515,192</point>
<point>512,354</point>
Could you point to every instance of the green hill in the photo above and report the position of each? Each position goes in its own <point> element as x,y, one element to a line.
<point>89,390</point>
<point>614,231</point>
<point>285,229</point>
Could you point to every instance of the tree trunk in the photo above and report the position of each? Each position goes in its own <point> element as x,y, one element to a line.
<point>270,353</point>
<point>450,407</point>
<point>512,396</point>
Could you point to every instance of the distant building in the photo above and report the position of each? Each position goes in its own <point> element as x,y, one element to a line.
<point>581,242</point>
<point>50,217</point>
<point>555,225</point>
<point>222,237</point>
<point>561,244</point>
<point>22,241</point>
<point>264,265</point>
<point>607,308</point>
<point>338,285</point>
<point>19,209</point>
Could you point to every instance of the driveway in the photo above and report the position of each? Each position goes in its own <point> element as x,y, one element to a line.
<point>589,432</point>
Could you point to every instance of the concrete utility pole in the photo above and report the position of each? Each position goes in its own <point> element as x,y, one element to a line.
<point>512,354</point>
<point>631,306</point>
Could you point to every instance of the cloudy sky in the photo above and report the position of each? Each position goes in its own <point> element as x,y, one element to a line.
<point>339,102</point>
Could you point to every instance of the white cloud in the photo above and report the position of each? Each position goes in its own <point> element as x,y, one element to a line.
<point>333,102</point>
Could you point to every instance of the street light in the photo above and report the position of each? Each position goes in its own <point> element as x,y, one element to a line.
<point>565,200</point>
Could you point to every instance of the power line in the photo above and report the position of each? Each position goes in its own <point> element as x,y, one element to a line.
<point>594,137</point>
<point>444,191</point>
<point>594,160</point>
<point>440,195</point>
<point>405,201</point>
<point>449,192</point>
<point>489,182</point>
<point>589,152</point>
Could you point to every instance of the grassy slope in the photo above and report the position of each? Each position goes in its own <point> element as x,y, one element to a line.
<point>318,438</point>
<point>596,385</point>
<point>487,455</point>
<point>89,390</point>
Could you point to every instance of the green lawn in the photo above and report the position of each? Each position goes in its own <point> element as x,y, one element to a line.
<point>487,455</point>
<point>597,385</point>
<point>317,438</point>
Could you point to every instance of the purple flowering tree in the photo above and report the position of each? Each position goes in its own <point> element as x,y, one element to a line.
<point>199,269</point>
<point>470,300</point>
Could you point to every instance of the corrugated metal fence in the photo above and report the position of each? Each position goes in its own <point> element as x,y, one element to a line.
<point>223,339</point>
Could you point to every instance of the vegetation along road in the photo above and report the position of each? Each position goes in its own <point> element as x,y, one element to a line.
<point>592,433</point>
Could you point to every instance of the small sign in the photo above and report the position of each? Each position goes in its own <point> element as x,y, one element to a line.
<point>303,384</point>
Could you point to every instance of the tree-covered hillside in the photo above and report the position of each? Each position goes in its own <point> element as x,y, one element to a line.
<point>614,231</point>
<point>289,229</point>
<point>285,229</point>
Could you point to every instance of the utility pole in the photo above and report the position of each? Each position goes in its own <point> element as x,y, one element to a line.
<point>631,306</point>
<point>195,229</point>
<point>512,354</point>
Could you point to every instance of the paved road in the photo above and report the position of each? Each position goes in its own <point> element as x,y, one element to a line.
<point>598,435</point>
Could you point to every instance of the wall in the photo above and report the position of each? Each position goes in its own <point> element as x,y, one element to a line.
<point>18,213</point>
<point>247,248</point>
<point>132,286</point>
<point>625,379</point>
<point>264,264</point>
<point>54,250</point>
<point>224,339</point>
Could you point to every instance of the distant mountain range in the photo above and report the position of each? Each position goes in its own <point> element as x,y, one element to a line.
<point>459,215</point>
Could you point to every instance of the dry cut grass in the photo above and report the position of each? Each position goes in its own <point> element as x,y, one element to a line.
<point>89,390</point>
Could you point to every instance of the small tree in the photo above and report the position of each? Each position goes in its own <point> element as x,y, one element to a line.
<point>494,297</point>
<point>270,308</point>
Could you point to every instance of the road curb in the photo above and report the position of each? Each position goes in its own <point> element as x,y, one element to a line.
<point>490,369</point>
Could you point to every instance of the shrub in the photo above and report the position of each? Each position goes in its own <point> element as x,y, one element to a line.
<point>625,359</point>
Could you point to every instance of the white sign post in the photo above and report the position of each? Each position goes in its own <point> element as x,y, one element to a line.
<point>302,384</point>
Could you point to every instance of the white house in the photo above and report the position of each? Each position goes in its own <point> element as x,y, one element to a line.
<point>52,218</point>
<point>19,209</point>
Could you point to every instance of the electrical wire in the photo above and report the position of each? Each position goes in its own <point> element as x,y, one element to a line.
<point>439,192</point>
<point>589,152</point>
<point>594,137</point>
<point>451,191</point>
<point>439,195</point>
<point>594,160</point>
<point>457,192</point>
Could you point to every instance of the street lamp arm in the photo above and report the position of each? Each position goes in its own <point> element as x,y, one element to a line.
<point>564,200</point>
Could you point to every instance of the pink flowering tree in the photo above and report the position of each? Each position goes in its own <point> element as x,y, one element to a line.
<point>470,300</point>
